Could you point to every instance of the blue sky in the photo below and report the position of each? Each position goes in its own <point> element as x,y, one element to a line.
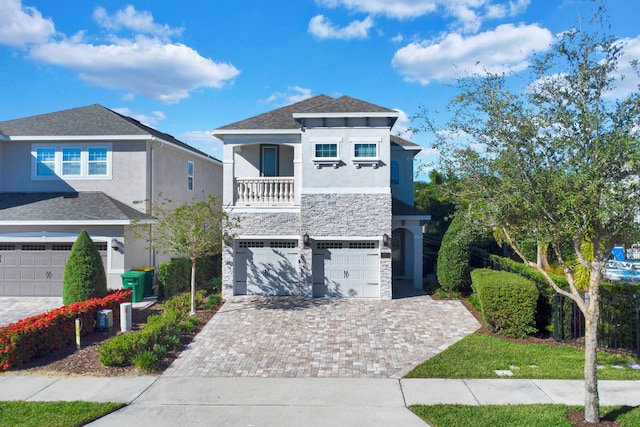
<point>189,67</point>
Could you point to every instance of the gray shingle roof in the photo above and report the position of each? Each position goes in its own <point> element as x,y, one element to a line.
<point>81,206</point>
<point>404,143</point>
<point>282,118</point>
<point>92,120</point>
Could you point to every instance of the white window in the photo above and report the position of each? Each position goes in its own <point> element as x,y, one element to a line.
<point>365,151</point>
<point>326,151</point>
<point>45,162</point>
<point>97,161</point>
<point>189,175</point>
<point>71,161</point>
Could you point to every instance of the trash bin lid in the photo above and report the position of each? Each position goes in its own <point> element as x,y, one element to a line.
<point>144,268</point>
<point>132,274</point>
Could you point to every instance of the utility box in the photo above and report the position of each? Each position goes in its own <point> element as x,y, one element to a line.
<point>148,279</point>
<point>105,319</point>
<point>134,280</point>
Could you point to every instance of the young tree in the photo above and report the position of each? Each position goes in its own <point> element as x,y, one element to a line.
<point>84,275</point>
<point>191,230</point>
<point>559,162</point>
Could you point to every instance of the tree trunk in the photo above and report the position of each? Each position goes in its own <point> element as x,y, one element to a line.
<point>591,397</point>
<point>193,287</point>
<point>543,260</point>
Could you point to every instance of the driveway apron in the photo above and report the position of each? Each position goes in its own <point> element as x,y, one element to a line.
<point>291,337</point>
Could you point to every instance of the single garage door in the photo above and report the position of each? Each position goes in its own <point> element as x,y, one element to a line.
<point>35,269</point>
<point>346,269</point>
<point>266,267</point>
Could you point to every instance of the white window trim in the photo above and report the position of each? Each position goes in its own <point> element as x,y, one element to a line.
<point>84,161</point>
<point>326,161</point>
<point>359,161</point>
<point>191,175</point>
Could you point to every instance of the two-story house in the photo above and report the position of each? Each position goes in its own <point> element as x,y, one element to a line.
<point>86,168</point>
<point>324,195</point>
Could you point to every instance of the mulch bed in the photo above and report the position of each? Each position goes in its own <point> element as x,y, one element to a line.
<point>70,361</point>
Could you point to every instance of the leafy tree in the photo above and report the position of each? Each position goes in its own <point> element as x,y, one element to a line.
<point>191,230</point>
<point>84,276</point>
<point>435,197</point>
<point>559,162</point>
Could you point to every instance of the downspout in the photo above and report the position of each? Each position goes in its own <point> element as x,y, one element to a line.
<point>152,252</point>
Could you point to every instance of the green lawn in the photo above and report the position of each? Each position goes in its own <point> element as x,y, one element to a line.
<point>516,415</point>
<point>479,356</point>
<point>53,414</point>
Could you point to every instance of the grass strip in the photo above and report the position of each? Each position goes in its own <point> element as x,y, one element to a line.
<point>480,355</point>
<point>53,414</point>
<point>516,415</point>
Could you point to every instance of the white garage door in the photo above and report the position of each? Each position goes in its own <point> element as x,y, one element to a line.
<point>346,269</point>
<point>35,269</point>
<point>266,267</point>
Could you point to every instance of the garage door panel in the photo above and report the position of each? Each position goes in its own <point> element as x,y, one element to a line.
<point>35,269</point>
<point>346,269</point>
<point>266,268</point>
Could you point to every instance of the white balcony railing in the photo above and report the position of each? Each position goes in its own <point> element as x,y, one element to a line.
<point>265,190</point>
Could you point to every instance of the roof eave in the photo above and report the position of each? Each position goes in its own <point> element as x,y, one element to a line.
<point>394,114</point>
<point>217,132</point>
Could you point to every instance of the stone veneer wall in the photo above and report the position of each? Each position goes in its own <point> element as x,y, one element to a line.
<point>344,215</point>
<point>268,224</point>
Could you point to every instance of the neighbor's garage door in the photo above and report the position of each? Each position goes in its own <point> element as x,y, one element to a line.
<point>346,269</point>
<point>35,269</point>
<point>266,267</point>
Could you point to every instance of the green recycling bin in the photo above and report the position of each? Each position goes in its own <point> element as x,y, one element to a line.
<point>134,280</point>
<point>148,279</point>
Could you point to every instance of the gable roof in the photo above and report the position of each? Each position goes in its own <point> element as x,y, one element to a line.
<point>92,120</point>
<point>81,207</point>
<point>283,118</point>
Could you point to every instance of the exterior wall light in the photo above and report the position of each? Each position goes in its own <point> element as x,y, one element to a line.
<point>385,239</point>
<point>306,240</point>
<point>115,245</point>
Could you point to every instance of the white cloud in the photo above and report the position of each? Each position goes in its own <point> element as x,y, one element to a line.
<point>322,28</point>
<point>292,95</point>
<point>22,25</point>
<point>398,38</point>
<point>468,14</point>
<point>401,126</point>
<point>131,19</point>
<point>148,66</point>
<point>149,120</point>
<point>505,49</point>
<point>627,78</point>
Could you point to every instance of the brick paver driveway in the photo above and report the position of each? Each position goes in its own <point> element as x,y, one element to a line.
<point>346,338</point>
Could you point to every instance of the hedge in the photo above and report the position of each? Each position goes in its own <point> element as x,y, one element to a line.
<point>453,269</point>
<point>507,301</point>
<point>175,276</point>
<point>45,333</point>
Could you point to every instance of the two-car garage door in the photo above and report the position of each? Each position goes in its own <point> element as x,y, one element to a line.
<point>35,269</point>
<point>340,268</point>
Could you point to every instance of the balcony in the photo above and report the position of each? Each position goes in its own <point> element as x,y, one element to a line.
<point>266,191</point>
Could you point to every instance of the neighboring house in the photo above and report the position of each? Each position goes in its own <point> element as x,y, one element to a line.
<point>85,168</point>
<point>324,194</point>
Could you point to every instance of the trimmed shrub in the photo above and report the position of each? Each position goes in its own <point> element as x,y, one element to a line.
<point>45,333</point>
<point>453,258</point>
<point>84,276</point>
<point>507,300</point>
<point>173,277</point>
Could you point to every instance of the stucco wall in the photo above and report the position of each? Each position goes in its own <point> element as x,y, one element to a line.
<point>346,174</point>
<point>404,189</point>
<point>170,175</point>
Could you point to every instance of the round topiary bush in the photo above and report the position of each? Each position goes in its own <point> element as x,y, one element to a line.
<point>84,276</point>
<point>453,258</point>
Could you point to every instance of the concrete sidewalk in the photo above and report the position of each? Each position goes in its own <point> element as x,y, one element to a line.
<point>167,401</point>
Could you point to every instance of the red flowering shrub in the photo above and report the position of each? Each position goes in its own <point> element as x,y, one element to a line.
<point>45,333</point>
